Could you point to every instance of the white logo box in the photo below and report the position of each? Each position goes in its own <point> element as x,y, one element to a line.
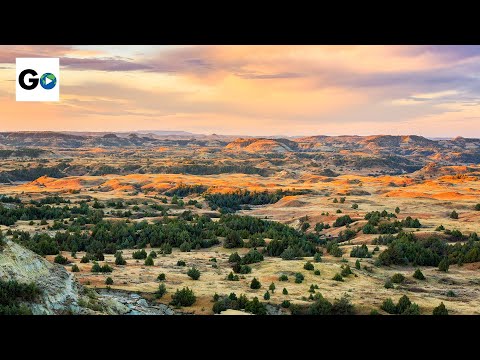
<point>41,66</point>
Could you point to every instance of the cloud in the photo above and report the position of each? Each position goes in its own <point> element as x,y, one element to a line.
<point>101,64</point>
<point>259,87</point>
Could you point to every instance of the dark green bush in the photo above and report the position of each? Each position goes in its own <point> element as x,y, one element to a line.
<point>389,306</point>
<point>139,255</point>
<point>338,277</point>
<point>59,259</point>
<point>418,275</point>
<point>397,278</point>
<point>162,289</point>
<point>255,307</point>
<point>346,271</point>
<point>193,273</point>
<point>388,284</point>
<point>440,310</point>
<point>308,266</point>
<point>299,278</point>
<point>255,284</point>
<point>234,258</point>
<point>184,297</point>
<point>443,265</point>
<point>342,221</point>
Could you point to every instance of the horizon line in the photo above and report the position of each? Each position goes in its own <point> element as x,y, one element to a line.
<point>226,135</point>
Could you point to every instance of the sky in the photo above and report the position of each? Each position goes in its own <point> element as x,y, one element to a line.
<point>432,91</point>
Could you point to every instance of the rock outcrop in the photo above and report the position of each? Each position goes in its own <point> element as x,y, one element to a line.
<point>60,292</point>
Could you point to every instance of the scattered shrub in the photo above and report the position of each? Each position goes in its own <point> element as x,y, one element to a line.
<point>162,289</point>
<point>443,265</point>
<point>102,269</point>
<point>75,268</point>
<point>440,310</point>
<point>283,277</point>
<point>308,266</point>
<point>109,281</point>
<point>299,278</point>
<point>266,296</point>
<point>59,259</point>
<point>185,247</point>
<point>234,258</point>
<point>450,293</point>
<point>232,277</point>
<point>397,278</point>
<point>342,306</point>
<point>342,221</point>
<point>388,284</point>
<point>316,272</point>
<point>272,287</point>
<point>403,304</point>
<point>119,260</point>
<point>255,307</point>
<point>253,256</point>
<point>255,284</point>
<point>338,277</point>
<point>149,261</point>
<point>346,271</point>
<point>139,255</point>
<point>389,306</point>
<point>184,297</point>
<point>193,273</point>
<point>181,263</point>
<point>418,275</point>
<point>285,291</point>
<point>161,277</point>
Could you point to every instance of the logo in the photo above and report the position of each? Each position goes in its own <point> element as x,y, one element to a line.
<point>32,72</point>
<point>48,81</point>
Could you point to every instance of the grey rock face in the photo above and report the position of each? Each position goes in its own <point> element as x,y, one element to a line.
<point>60,292</point>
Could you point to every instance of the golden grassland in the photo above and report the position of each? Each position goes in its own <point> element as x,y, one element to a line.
<point>365,289</point>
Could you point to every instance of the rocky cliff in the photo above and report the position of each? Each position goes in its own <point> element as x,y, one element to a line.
<point>60,292</point>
